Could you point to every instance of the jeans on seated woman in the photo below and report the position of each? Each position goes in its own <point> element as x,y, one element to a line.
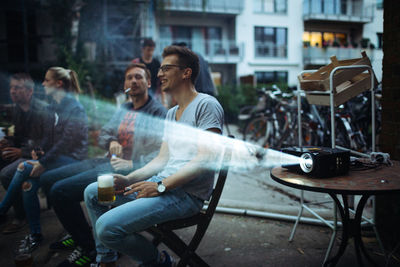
<point>29,192</point>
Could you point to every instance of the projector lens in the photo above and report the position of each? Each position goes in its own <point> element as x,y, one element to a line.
<point>306,163</point>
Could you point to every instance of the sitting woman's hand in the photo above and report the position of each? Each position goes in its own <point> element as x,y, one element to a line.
<point>37,170</point>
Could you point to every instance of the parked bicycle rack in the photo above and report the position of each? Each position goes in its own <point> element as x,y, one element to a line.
<point>331,93</point>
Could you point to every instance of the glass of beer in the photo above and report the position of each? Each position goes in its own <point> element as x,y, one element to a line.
<point>105,191</point>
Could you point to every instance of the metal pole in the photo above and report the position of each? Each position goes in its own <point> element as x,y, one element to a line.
<point>269,215</point>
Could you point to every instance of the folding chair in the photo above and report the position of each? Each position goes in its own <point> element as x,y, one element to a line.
<point>164,233</point>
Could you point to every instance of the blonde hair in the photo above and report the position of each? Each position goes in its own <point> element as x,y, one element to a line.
<point>68,77</point>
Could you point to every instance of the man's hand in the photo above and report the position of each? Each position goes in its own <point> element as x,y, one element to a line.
<point>4,143</point>
<point>120,182</point>
<point>121,164</point>
<point>115,149</point>
<point>144,189</point>
<point>37,170</point>
<point>11,153</point>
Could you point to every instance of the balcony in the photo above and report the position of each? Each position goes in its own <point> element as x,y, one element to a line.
<point>338,11</point>
<point>270,50</point>
<point>321,56</point>
<point>214,51</point>
<point>231,7</point>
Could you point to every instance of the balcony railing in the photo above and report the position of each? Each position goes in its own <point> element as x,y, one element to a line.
<point>214,51</point>
<point>338,10</point>
<point>234,7</point>
<point>263,49</point>
<point>321,56</point>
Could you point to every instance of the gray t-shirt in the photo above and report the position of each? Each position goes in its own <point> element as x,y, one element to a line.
<point>183,137</point>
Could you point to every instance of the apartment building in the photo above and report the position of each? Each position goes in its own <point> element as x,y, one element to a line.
<point>271,40</point>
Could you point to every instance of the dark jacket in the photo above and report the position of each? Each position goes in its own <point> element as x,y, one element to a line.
<point>68,135</point>
<point>147,138</point>
<point>30,126</point>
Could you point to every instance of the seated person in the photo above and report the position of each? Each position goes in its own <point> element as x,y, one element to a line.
<point>65,142</point>
<point>29,119</point>
<point>127,137</point>
<point>174,184</point>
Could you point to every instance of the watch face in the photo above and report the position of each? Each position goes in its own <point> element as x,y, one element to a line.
<point>161,188</point>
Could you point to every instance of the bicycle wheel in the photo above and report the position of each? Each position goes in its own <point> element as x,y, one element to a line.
<point>259,131</point>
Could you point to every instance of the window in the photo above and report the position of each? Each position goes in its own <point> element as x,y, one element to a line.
<point>267,77</point>
<point>325,39</point>
<point>270,42</point>
<point>270,6</point>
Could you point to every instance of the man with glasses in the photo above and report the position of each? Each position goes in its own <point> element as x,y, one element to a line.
<point>29,119</point>
<point>175,183</point>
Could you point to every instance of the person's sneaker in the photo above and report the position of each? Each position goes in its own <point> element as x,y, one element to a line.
<point>29,243</point>
<point>66,243</point>
<point>79,258</point>
<point>14,226</point>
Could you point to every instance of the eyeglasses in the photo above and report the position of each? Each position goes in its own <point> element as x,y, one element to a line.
<point>167,67</point>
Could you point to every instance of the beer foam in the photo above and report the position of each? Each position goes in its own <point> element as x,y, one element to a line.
<point>105,180</point>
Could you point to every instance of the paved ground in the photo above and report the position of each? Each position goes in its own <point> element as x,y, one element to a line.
<point>234,240</point>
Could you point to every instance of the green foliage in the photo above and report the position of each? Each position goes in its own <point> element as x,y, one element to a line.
<point>232,98</point>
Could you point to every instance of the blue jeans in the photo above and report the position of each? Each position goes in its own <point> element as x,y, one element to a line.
<point>30,198</point>
<point>118,229</point>
<point>66,195</point>
<point>6,175</point>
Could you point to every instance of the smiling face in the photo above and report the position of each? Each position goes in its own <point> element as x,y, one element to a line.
<point>135,78</point>
<point>171,74</point>
<point>50,84</point>
<point>19,93</point>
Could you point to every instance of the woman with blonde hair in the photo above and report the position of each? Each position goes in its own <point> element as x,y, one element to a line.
<point>65,142</point>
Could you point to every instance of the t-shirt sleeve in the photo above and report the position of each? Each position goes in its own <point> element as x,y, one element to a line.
<point>210,114</point>
<point>167,123</point>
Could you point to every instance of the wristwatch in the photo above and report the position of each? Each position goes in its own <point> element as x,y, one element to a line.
<point>161,187</point>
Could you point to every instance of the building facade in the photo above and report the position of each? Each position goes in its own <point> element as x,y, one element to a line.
<point>271,40</point>
<point>267,40</point>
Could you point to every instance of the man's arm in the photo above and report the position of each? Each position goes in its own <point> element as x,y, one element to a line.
<point>202,161</point>
<point>150,169</point>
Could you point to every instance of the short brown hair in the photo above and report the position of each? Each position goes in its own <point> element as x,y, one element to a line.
<point>186,58</point>
<point>148,42</point>
<point>25,77</point>
<point>139,65</point>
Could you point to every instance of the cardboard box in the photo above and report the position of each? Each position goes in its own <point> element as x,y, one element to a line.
<point>344,91</point>
<point>319,80</point>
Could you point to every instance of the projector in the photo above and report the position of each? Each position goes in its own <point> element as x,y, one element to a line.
<point>319,162</point>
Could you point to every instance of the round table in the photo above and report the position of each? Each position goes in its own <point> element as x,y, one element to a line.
<point>380,180</point>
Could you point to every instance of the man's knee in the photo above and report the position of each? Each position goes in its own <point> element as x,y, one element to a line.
<point>108,233</point>
<point>90,192</point>
<point>56,193</point>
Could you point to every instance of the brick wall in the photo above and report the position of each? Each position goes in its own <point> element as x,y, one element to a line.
<point>388,207</point>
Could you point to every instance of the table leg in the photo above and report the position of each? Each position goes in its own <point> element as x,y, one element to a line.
<point>344,214</point>
<point>358,243</point>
